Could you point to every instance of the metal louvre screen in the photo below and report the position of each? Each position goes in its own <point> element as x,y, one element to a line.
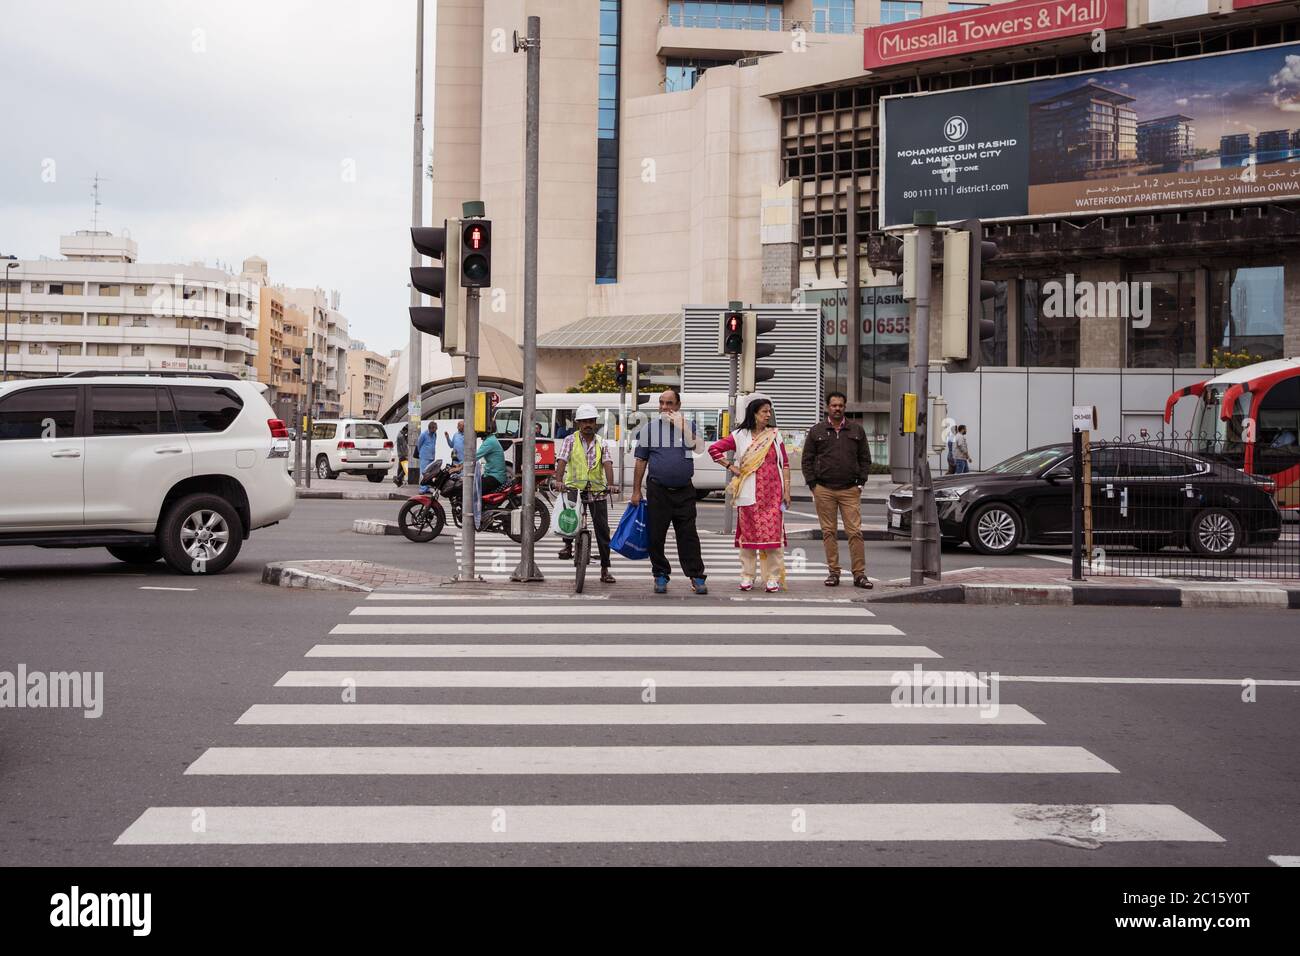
<point>795,389</point>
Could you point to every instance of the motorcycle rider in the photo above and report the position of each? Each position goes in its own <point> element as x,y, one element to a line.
<point>584,461</point>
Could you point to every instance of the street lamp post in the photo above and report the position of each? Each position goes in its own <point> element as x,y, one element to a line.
<point>8,266</point>
<point>311,412</point>
<point>351,388</point>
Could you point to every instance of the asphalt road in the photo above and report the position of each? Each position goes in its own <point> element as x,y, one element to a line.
<point>181,667</point>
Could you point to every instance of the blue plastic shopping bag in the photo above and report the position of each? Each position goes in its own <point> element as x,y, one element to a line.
<point>632,537</point>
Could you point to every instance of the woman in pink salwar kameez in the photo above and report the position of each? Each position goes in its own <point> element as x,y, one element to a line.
<point>760,491</point>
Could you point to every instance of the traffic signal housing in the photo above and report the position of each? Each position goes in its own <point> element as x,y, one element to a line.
<point>638,379</point>
<point>731,333</point>
<point>620,374</point>
<point>476,254</point>
<point>445,320</point>
<point>751,373</point>
<point>964,291</point>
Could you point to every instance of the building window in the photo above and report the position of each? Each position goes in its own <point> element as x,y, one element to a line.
<point>832,16</point>
<point>102,348</point>
<point>106,320</point>
<point>36,348</point>
<point>1167,338</point>
<point>885,323</point>
<point>65,288</point>
<point>899,11</point>
<point>71,318</point>
<point>728,14</point>
<point>607,145</point>
<point>137,350</point>
<point>107,289</point>
<point>142,290</point>
<point>1245,312</point>
<point>964,7</point>
<point>36,287</point>
<point>1049,335</point>
<point>682,74</point>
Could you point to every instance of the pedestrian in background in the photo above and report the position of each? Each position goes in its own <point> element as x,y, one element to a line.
<point>664,447</point>
<point>403,457</point>
<point>836,463</point>
<point>760,491</point>
<point>456,441</point>
<point>960,452</point>
<point>426,449</point>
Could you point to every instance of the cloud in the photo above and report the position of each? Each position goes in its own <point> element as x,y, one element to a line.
<point>1286,85</point>
<point>1181,101</point>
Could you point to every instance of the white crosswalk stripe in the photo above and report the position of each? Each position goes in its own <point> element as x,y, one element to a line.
<point>545,662</point>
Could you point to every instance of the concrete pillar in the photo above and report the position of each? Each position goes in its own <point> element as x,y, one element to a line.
<point>1291,305</point>
<point>1101,338</point>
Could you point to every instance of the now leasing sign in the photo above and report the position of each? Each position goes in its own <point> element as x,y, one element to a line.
<point>1003,24</point>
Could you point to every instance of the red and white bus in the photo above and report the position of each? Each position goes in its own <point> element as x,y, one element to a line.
<point>1249,417</point>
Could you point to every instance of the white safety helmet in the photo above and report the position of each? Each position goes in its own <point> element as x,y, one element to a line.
<point>584,412</point>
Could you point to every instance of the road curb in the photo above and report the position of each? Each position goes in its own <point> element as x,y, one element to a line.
<point>1090,595</point>
<point>285,575</point>
<point>375,526</point>
<point>394,495</point>
<point>815,534</point>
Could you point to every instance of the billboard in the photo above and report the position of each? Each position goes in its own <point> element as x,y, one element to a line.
<point>1200,131</point>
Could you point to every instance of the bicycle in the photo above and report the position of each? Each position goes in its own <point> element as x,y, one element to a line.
<point>582,532</point>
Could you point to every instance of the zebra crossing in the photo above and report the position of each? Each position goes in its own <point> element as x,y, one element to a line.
<point>496,557</point>
<point>795,692</point>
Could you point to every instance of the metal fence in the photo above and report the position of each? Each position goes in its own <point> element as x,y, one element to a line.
<point>1182,508</point>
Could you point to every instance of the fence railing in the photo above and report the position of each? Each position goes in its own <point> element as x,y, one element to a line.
<point>1181,507</point>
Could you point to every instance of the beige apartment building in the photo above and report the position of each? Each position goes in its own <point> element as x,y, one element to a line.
<point>366,382</point>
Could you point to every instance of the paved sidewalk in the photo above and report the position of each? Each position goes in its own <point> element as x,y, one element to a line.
<point>1053,586</point>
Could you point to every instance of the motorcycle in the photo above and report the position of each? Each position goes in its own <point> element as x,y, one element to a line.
<point>425,516</point>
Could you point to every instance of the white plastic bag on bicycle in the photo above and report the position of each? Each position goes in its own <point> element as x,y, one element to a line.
<point>564,517</point>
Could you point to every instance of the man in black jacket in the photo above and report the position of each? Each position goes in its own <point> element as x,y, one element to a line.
<point>836,462</point>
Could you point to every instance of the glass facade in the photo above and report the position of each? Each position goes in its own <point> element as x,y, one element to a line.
<point>1245,311</point>
<point>993,351</point>
<point>882,343</point>
<point>1047,339</point>
<point>832,16</point>
<point>899,11</point>
<point>1168,340</point>
<point>607,146</point>
<point>963,7</point>
<point>727,14</point>
<point>683,74</point>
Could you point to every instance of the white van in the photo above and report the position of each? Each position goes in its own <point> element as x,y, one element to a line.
<point>555,415</point>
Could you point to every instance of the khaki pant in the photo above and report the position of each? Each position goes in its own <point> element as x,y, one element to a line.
<point>772,562</point>
<point>847,504</point>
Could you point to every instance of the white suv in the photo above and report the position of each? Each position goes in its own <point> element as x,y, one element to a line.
<point>178,467</point>
<point>350,446</point>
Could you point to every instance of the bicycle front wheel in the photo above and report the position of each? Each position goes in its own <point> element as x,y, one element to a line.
<point>581,558</point>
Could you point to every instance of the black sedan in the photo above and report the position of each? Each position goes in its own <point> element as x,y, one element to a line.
<point>1141,497</point>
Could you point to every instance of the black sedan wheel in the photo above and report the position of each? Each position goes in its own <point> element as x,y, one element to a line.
<point>1216,533</point>
<point>994,529</point>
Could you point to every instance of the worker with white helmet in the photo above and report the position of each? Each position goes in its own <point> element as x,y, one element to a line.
<point>585,462</point>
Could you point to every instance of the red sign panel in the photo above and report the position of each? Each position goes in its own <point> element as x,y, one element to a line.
<point>999,25</point>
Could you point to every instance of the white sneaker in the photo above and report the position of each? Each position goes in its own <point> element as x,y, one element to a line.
<point>746,584</point>
<point>772,586</point>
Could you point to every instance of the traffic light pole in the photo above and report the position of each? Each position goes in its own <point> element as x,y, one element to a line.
<point>925,516</point>
<point>728,512</point>
<point>468,469</point>
<point>527,570</point>
<point>414,360</point>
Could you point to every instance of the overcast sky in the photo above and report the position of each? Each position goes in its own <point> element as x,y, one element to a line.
<point>222,130</point>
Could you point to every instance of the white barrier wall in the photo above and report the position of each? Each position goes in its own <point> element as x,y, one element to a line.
<point>1007,410</point>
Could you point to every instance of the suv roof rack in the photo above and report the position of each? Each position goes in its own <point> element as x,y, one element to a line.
<point>91,373</point>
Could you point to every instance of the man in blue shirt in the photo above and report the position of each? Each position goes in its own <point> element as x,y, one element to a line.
<point>426,449</point>
<point>456,441</point>
<point>664,448</point>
